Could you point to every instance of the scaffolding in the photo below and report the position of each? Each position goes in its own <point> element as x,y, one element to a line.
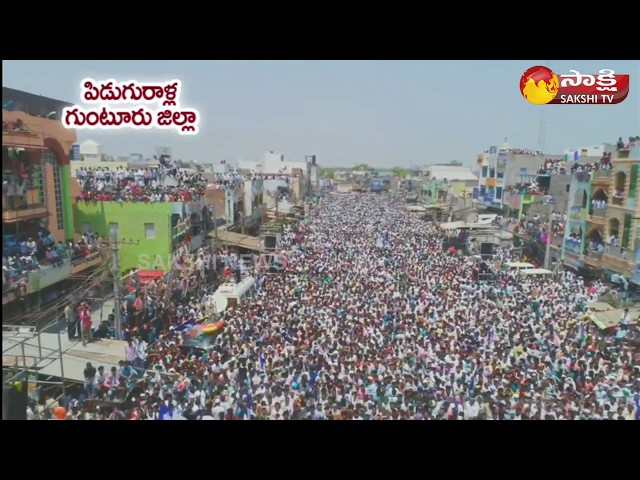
<point>25,352</point>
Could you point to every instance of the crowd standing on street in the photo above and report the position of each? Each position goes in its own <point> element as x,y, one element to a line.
<point>373,317</point>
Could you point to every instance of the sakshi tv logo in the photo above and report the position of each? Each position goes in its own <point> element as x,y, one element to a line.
<point>541,86</point>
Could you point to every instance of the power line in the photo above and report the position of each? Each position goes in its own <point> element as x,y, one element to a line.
<point>117,280</point>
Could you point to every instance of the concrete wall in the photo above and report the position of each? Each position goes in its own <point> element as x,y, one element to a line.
<point>559,188</point>
<point>131,218</point>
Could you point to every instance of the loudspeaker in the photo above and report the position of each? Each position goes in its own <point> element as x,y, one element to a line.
<point>270,242</point>
<point>486,248</point>
<point>15,400</point>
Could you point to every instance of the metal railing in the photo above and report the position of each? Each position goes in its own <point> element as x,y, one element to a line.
<point>17,348</point>
<point>602,174</point>
<point>616,251</point>
<point>572,246</point>
<point>599,212</point>
<point>617,200</point>
<point>594,254</point>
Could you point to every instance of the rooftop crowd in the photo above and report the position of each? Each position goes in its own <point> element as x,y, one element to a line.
<point>560,167</point>
<point>633,141</point>
<point>149,184</point>
<point>139,185</point>
<point>374,317</point>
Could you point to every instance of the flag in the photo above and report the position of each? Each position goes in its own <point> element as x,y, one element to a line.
<point>250,402</point>
<point>263,361</point>
<point>166,412</point>
<point>474,378</point>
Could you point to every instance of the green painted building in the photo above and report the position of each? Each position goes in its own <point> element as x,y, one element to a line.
<point>144,230</point>
<point>430,190</point>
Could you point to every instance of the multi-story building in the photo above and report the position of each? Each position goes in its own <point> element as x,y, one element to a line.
<point>503,167</point>
<point>38,195</point>
<point>604,217</point>
<point>443,182</point>
<point>236,205</point>
<point>148,233</point>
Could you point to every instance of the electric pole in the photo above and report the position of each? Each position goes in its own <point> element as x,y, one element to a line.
<point>547,252</point>
<point>117,281</point>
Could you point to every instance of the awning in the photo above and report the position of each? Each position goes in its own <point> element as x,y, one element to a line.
<point>452,225</point>
<point>236,239</point>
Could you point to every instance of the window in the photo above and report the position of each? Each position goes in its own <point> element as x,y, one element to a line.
<point>50,157</point>
<point>150,231</point>
<point>37,181</point>
<point>114,228</point>
<point>500,175</point>
<point>499,193</point>
<point>523,172</point>
<point>483,190</point>
<point>492,173</point>
<point>484,171</point>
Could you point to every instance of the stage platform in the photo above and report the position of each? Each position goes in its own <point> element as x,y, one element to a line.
<point>40,352</point>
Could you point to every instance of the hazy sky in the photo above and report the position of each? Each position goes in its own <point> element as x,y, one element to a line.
<point>383,113</point>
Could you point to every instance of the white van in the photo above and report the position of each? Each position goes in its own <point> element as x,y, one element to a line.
<point>235,293</point>
<point>518,266</point>
<point>536,272</point>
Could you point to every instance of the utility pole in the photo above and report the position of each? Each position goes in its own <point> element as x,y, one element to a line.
<point>547,253</point>
<point>117,281</point>
<point>215,223</point>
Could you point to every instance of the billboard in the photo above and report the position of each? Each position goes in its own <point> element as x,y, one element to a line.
<point>75,152</point>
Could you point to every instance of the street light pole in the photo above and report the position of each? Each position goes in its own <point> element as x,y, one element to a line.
<point>547,253</point>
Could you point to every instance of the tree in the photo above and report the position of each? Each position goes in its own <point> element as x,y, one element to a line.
<point>363,167</point>
<point>328,173</point>
<point>400,172</point>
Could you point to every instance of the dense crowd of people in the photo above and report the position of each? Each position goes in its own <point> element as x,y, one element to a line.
<point>22,254</point>
<point>535,226</point>
<point>560,167</point>
<point>528,188</point>
<point>139,185</point>
<point>373,317</point>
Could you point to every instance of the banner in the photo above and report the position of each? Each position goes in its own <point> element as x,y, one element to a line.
<point>75,152</point>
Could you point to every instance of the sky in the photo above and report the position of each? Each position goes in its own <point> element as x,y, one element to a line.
<point>382,113</point>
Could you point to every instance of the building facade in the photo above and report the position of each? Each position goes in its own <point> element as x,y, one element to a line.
<point>603,228</point>
<point>148,233</point>
<point>38,193</point>
<point>503,167</point>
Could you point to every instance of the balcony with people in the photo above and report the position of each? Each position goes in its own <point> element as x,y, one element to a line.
<point>17,133</point>
<point>595,245</point>
<point>34,251</point>
<point>22,185</point>
<point>529,192</point>
<point>619,194</point>
<point>573,241</point>
<point>614,247</point>
<point>599,204</point>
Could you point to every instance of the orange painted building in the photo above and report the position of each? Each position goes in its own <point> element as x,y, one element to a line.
<point>37,189</point>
